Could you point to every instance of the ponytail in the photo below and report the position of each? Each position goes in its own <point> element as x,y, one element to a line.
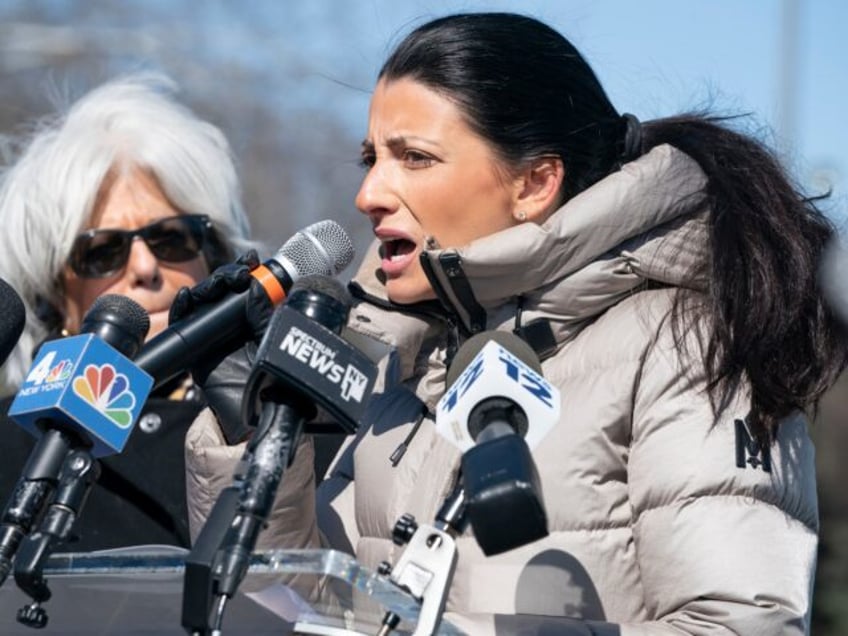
<point>769,323</point>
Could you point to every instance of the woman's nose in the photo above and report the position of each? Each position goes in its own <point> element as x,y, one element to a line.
<point>375,194</point>
<point>142,265</point>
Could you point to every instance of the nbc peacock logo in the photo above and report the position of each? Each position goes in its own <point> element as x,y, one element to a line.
<point>60,372</point>
<point>107,391</point>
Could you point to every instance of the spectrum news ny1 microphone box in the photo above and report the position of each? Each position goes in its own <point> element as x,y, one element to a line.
<point>85,384</point>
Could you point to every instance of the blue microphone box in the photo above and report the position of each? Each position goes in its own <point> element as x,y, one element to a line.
<point>83,383</point>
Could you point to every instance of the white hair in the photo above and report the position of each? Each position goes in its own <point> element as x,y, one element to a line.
<point>48,195</point>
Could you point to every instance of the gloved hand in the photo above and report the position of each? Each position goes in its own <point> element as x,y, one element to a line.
<point>223,380</point>
<point>232,277</point>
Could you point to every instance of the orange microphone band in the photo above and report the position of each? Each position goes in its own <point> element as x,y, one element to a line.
<point>270,284</point>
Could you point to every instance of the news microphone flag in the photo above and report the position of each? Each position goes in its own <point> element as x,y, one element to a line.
<point>84,383</point>
<point>319,364</point>
<point>495,371</point>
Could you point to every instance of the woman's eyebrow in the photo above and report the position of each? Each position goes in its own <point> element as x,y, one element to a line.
<point>393,144</point>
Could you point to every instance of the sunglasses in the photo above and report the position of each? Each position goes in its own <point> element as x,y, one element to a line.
<point>176,239</point>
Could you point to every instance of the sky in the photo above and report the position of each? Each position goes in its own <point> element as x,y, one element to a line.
<point>783,61</point>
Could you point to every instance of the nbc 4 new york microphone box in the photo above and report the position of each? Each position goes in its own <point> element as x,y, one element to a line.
<point>83,383</point>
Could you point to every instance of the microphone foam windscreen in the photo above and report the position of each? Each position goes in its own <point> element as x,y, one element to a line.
<point>509,341</point>
<point>121,311</point>
<point>323,285</point>
<point>12,319</point>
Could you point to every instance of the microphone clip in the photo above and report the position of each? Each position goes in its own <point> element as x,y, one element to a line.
<point>426,567</point>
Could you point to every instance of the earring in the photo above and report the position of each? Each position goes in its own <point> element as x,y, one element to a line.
<point>521,215</point>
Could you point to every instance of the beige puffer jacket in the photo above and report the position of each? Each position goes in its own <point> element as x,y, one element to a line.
<point>654,526</point>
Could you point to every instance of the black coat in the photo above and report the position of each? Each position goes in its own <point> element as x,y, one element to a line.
<point>140,497</point>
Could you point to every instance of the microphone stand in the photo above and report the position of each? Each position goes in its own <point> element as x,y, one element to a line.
<point>79,472</point>
<point>240,515</point>
<point>289,389</point>
<point>426,567</point>
<point>26,505</point>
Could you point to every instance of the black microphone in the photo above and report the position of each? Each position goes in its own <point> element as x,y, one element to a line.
<point>302,362</point>
<point>12,319</point>
<point>220,328</point>
<point>81,393</point>
<point>496,406</point>
<point>303,351</point>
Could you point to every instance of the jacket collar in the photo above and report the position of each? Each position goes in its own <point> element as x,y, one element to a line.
<point>643,224</point>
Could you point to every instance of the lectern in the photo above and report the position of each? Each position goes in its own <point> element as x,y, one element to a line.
<point>138,591</point>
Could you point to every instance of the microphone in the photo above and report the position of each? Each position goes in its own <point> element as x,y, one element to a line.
<point>496,408</point>
<point>221,327</point>
<point>86,385</point>
<point>304,351</point>
<point>80,393</point>
<point>12,319</point>
<point>302,362</point>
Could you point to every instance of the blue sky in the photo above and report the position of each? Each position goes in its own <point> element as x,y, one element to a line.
<point>655,57</point>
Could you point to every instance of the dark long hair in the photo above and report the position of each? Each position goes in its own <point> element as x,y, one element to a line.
<point>769,321</point>
<point>523,87</point>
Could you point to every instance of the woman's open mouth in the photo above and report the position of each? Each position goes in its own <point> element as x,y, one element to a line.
<point>396,255</point>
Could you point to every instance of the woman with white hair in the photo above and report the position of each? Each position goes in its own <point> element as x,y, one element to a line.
<point>127,192</point>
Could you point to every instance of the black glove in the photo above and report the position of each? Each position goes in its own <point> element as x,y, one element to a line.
<point>223,380</point>
<point>232,277</point>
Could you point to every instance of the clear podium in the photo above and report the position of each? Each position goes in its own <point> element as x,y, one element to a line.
<point>138,591</point>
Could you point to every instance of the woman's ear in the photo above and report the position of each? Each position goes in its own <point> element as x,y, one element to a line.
<point>538,189</point>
